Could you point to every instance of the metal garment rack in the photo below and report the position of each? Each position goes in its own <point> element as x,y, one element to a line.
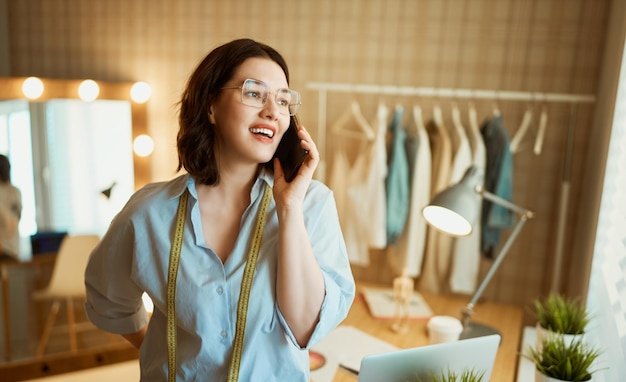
<point>323,88</point>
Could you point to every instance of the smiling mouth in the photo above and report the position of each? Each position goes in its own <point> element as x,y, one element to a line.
<point>262,131</point>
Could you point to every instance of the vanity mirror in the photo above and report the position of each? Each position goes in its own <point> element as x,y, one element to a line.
<point>81,150</point>
<point>65,151</point>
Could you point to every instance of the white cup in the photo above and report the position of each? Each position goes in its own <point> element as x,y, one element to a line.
<point>444,329</point>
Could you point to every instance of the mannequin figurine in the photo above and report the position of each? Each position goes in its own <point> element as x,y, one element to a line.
<point>402,292</point>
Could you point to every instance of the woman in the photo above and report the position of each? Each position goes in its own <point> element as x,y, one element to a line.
<point>233,113</point>
<point>10,213</point>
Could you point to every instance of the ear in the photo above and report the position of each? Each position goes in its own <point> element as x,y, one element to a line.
<point>211,114</point>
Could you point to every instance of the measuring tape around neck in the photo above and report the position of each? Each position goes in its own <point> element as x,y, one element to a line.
<point>244,294</point>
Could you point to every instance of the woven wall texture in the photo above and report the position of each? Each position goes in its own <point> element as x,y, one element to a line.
<point>521,45</point>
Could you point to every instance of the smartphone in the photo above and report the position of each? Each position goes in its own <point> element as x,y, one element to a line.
<point>289,152</point>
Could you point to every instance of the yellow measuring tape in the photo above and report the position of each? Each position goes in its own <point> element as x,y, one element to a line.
<point>244,295</point>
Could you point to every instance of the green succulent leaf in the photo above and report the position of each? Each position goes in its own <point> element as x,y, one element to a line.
<point>562,360</point>
<point>561,314</point>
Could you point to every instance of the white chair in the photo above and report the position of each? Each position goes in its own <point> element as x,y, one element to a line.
<point>66,284</point>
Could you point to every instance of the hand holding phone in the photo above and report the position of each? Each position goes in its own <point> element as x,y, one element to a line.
<point>289,152</point>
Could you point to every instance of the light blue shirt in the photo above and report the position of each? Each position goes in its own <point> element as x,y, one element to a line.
<point>397,182</point>
<point>133,257</point>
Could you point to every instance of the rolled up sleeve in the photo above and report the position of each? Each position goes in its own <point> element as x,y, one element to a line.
<point>113,301</point>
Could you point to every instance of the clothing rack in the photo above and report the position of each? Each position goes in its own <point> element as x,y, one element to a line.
<point>497,95</point>
<point>455,93</point>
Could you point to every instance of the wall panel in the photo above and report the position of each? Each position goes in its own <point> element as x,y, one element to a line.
<point>526,45</point>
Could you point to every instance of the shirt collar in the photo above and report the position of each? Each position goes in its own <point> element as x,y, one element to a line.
<point>186,181</point>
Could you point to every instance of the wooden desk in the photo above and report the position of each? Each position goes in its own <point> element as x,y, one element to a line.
<point>505,318</point>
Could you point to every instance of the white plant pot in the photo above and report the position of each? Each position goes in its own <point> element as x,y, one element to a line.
<point>539,377</point>
<point>567,338</point>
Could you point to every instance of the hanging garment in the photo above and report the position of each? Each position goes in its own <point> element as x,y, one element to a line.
<point>436,265</point>
<point>462,153</point>
<point>376,181</point>
<point>348,182</point>
<point>408,254</point>
<point>353,217</point>
<point>466,255</point>
<point>397,179</point>
<point>499,181</point>
<point>460,256</point>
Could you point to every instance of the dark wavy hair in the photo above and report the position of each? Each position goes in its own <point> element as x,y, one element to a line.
<point>196,135</point>
<point>5,169</point>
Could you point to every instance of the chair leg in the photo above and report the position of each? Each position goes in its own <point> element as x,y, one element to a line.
<point>45,335</point>
<point>71,324</point>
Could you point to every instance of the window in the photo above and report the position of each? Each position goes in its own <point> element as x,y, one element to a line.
<point>89,150</point>
<point>606,297</point>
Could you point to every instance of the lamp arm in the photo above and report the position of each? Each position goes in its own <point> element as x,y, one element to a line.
<point>525,214</point>
<point>504,203</point>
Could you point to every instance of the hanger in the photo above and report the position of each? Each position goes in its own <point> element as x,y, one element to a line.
<point>519,135</point>
<point>418,118</point>
<point>473,118</point>
<point>543,122</point>
<point>399,108</point>
<point>438,116</point>
<point>494,106</point>
<point>340,128</point>
<point>382,114</point>
<point>456,116</point>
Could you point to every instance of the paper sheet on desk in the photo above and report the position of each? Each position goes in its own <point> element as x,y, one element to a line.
<point>346,346</point>
<point>382,305</point>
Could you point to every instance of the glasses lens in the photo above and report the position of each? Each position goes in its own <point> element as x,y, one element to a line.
<point>288,101</point>
<point>255,93</point>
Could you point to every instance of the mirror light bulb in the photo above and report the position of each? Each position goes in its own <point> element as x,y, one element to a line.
<point>88,90</point>
<point>140,92</point>
<point>32,88</point>
<point>143,145</point>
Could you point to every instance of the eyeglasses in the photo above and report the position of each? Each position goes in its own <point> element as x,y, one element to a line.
<point>255,93</point>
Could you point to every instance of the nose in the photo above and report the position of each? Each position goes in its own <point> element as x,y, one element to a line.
<point>270,108</point>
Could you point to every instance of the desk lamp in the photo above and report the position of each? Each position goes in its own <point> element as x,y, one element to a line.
<point>454,211</point>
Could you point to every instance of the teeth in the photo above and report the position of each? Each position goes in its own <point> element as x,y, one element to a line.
<point>266,132</point>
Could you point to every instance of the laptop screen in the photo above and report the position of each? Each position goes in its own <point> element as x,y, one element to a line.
<point>420,363</point>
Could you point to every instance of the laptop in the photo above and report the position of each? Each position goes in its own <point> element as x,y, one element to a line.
<point>412,364</point>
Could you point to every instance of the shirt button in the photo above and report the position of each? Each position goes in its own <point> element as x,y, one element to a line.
<point>223,333</point>
<point>220,290</point>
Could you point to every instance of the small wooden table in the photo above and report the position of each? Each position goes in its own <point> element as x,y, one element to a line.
<point>507,319</point>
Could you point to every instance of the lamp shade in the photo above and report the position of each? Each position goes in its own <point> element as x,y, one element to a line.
<point>456,209</point>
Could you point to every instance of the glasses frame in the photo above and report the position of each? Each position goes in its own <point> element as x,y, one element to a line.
<point>294,106</point>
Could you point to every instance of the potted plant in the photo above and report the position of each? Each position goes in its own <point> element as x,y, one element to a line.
<point>562,315</point>
<point>560,360</point>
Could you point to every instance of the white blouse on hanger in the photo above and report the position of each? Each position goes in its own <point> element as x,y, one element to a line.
<point>462,160</point>
<point>349,182</point>
<point>377,234</point>
<point>466,255</point>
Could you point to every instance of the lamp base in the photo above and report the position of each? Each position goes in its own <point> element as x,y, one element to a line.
<point>475,329</point>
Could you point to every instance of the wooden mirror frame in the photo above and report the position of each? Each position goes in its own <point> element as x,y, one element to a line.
<point>11,88</point>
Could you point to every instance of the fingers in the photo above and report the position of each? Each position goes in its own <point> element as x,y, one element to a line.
<point>308,144</point>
